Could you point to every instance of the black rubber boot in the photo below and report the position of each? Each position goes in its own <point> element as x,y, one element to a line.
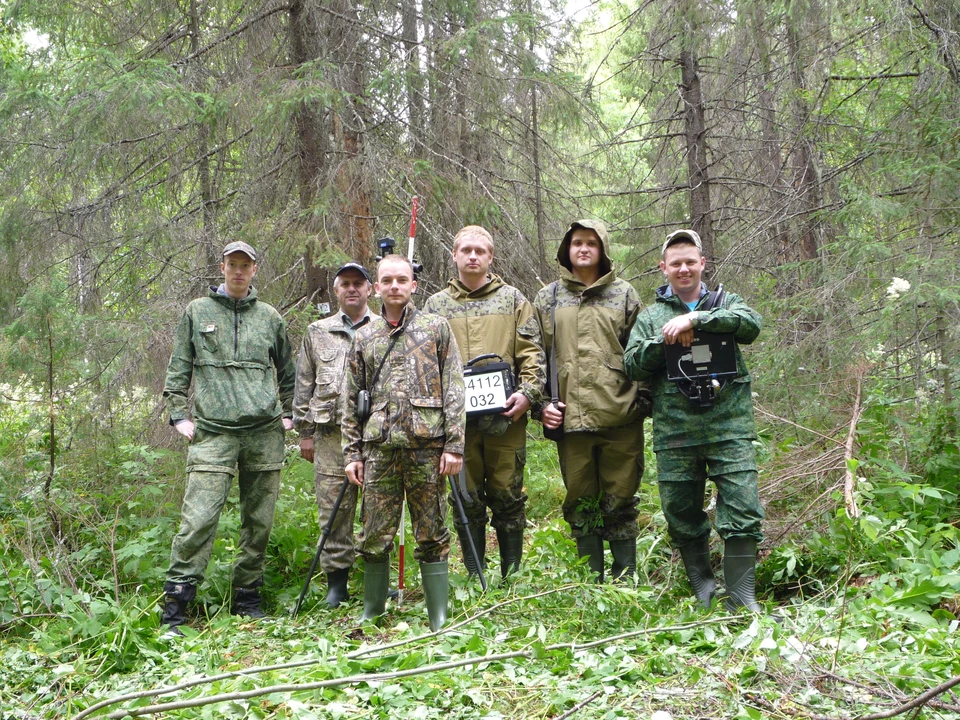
<point>337,587</point>
<point>479,535</point>
<point>624,558</point>
<point>739,574</point>
<point>591,546</point>
<point>246,603</point>
<point>434,578</point>
<point>176,598</point>
<point>511,550</point>
<point>696,561</point>
<point>376,582</point>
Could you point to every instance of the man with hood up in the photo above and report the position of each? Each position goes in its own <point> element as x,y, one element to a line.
<point>695,443</point>
<point>590,311</point>
<point>488,316</point>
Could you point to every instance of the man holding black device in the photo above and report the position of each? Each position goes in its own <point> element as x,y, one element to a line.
<point>703,424</point>
<point>490,318</point>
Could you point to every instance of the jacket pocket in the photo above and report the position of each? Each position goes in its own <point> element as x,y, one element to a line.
<point>375,428</point>
<point>209,341</point>
<point>323,404</point>
<point>426,417</point>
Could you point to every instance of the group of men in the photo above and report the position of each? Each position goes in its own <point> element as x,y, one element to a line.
<point>379,400</point>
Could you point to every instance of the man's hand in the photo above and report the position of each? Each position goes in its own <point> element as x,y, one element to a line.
<point>287,424</point>
<point>354,472</point>
<point>306,449</point>
<point>679,330</point>
<point>450,463</point>
<point>516,405</point>
<point>186,428</point>
<point>552,415</point>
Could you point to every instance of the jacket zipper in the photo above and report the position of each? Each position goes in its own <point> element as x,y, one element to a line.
<point>236,327</point>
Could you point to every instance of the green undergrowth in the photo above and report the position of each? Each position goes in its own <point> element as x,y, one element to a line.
<point>860,614</point>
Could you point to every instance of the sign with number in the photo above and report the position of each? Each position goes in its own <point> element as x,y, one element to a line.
<point>487,388</point>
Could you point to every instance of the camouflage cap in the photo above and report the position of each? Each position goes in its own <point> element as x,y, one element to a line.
<point>676,236</point>
<point>241,247</point>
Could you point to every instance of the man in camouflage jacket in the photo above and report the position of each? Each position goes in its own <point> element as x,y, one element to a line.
<point>235,350</point>
<point>407,362</point>
<point>696,443</point>
<point>600,410</point>
<point>317,410</point>
<point>489,316</point>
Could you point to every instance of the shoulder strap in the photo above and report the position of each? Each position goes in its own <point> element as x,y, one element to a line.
<point>554,374</point>
<point>716,298</point>
<point>376,375</point>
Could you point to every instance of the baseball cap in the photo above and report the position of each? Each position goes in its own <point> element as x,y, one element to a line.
<point>353,266</point>
<point>684,235</point>
<point>240,246</point>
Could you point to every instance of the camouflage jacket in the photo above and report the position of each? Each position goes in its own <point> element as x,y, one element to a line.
<point>495,318</point>
<point>321,375</point>
<point>593,324</point>
<point>238,356</point>
<point>417,401</point>
<point>677,422</point>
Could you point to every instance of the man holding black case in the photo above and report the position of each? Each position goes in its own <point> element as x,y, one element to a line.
<point>488,316</point>
<point>696,441</point>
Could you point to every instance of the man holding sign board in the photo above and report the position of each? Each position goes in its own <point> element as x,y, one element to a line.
<point>490,318</point>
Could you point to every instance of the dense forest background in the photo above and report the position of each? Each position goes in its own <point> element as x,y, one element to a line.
<point>813,144</point>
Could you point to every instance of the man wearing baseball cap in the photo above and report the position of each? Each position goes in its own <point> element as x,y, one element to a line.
<point>317,408</point>
<point>695,443</point>
<point>235,351</point>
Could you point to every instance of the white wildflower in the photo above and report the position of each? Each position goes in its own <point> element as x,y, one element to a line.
<point>898,286</point>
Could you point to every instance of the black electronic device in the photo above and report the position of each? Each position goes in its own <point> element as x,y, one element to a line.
<point>702,369</point>
<point>487,386</point>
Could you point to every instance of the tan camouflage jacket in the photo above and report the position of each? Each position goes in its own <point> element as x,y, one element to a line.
<point>593,327</point>
<point>495,318</point>
<point>321,375</point>
<point>418,400</point>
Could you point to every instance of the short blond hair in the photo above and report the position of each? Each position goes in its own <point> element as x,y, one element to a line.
<point>470,231</point>
<point>394,258</point>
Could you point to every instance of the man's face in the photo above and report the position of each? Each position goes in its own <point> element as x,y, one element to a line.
<point>585,249</point>
<point>473,255</point>
<point>352,291</point>
<point>683,265</point>
<point>238,270</point>
<point>395,284</point>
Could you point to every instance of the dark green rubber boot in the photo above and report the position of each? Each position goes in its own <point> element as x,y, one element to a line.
<point>246,603</point>
<point>624,558</point>
<point>434,578</point>
<point>376,582</point>
<point>511,550</point>
<point>739,574</point>
<point>591,547</point>
<point>479,535</point>
<point>696,561</point>
<point>337,587</point>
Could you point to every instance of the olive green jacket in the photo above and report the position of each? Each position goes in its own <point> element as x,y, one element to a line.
<point>678,422</point>
<point>495,318</point>
<point>238,356</point>
<point>593,324</point>
<point>417,400</point>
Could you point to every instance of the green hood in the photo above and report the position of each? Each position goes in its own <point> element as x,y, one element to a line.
<point>459,291</point>
<point>563,252</point>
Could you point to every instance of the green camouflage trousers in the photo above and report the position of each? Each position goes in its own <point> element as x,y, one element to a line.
<point>682,475</point>
<point>212,461</point>
<point>601,471</point>
<point>494,468</point>
<point>387,474</point>
<point>338,552</point>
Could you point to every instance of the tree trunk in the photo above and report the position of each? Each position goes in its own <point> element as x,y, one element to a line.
<point>696,147</point>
